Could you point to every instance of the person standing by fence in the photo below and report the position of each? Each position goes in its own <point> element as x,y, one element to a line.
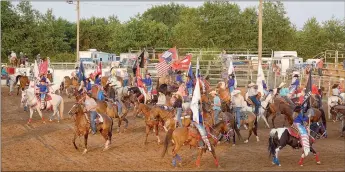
<point>319,66</point>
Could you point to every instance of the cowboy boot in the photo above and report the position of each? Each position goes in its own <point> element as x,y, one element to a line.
<point>30,120</point>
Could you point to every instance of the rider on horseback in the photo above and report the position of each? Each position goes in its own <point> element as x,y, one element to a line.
<point>178,106</point>
<point>283,92</point>
<point>90,106</point>
<point>148,83</point>
<point>43,91</point>
<point>216,106</point>
<point>231,82</point>
<point>336,92</point>
<point>294,83</point>
<point>252,93</point>
<point>299,124</point>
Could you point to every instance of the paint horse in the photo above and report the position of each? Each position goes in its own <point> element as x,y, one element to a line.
<point>281,137</point>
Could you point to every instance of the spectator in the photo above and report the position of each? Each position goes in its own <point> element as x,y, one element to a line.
<point>319,66</point>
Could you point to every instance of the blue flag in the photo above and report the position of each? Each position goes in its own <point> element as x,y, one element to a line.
<point>81,72</point>
<point>190,71</point>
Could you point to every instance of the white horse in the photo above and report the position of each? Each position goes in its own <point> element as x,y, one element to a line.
<point>29,98</point>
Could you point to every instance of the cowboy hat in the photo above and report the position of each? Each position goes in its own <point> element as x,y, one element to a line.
<point>341,79</point>
<point>213,92</point>
<point>281,84</point>
<point>2,65</point>
<point>43,80</point>
<point>235,92</point>
<point>297,109</point>
<point>148,74</point>
<point>251,85</point>
<point>295,75</point>
<point>21,65</point>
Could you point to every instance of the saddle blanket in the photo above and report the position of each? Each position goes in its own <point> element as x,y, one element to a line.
<point>166,107</point>
<point>100,118</point>
<point>48,97</point>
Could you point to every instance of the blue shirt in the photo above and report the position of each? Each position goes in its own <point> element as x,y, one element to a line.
<point>3,71</point>
<point>179,78</point>
<point>296,82</point>
<point>284,92</point>
<point>43,88</point>
<point>231,82</point>
<point>147,81</point>
<point>189,84</point>
<point>98,81</point>
<point>300,118</point>
<point>216,101</point>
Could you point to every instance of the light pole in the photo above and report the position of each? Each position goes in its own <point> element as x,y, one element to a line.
<point>260,33</point>
<point>78,18</point>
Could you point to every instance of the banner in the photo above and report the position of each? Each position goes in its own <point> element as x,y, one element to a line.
<point>182,64</point>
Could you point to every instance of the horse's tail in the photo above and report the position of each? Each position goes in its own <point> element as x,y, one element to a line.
<point>17,79</point>
<point>62,104</point>
<point>271,146</point>
<point>167,141</point>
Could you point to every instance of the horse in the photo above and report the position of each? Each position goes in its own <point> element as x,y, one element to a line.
<point>188,135</point>
<point>338,111</point>
<point>333,101</point>
<point>281,137</point>
<point>23,82</point>
<point>96,92</point>
<point>249,118</point>
<point>33,102</point>
<point>280,105</point>
<point>150,122</point>
<point>82,126</point>
<point>70,84</point>
<point>112,111</point>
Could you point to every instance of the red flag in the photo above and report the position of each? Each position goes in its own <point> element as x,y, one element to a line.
<point>43,68</point>
<point>182,64</point>
<point>98,70</point>
<point>168,56</point>
<point>138,76</point>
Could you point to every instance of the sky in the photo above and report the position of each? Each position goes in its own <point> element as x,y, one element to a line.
<point>298,12</point>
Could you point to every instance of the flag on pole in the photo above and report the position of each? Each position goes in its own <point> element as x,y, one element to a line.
<point>190,71</point>
<point>138,76</point>
<point>182,64</point>
<point>306,103</point>
<point>231,70</point>
<point>162,68</point>
<point>260,79</point>
<point>168,56</point>
<point>98,70</point>
<point>141,59</point>
<point>81,72</point>
<point>43,68</point>
<point>194,106</point>
<point>36,70</point>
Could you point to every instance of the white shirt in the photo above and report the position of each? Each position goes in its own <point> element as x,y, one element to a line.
<point>336,92</point>
<point>252,92</point>
<point>238,100</point>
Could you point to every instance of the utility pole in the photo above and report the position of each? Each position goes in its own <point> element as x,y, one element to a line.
<point>78,17</point>
<point>260,33</point>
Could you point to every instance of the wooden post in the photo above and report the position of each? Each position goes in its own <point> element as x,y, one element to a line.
<point>78,17</point>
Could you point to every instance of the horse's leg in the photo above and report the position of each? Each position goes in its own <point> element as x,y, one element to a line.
<point>157,134</point>
<point>31,112</point>
<point>250,125</point>
<point>197,163</point>
<point>316,155</point>
<point>18,90</point>
<point>262,115</point>
<point>73,141</point>
<point>86,135</point>
<point>147,133</point>
<point>119,125</point>
<point>216,162</point>
<point>273,118</point>
<point>176,148</point>
<point>105,135</point>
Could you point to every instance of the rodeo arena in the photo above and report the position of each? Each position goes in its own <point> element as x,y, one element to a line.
<point>156,109</point>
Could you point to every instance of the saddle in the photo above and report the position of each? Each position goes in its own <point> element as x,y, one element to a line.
<point>293,132</point>
<point>166,107</point>
<point>47,98</point>
<point>99,119</point>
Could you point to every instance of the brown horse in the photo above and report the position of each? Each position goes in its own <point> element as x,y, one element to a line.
<point>339,111</point>
<point>150,122</point>
<point>14,62</point>
<point>110,108</point>
<point>23,82</point>
<point>82,126</point>
<point>280,105</point>
<point>70,84</point>
<point>190,135</point>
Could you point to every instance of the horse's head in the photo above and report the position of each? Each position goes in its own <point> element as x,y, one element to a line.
<point>76,109</point>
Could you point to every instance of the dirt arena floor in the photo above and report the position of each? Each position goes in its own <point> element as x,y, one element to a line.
<point>48,147</point>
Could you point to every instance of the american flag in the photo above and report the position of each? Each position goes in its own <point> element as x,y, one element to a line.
<point>162,68</point>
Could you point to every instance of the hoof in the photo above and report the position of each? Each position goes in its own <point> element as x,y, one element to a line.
<point>246,141</point>
<point>233,145</point>
<point>318,163</point>
<point>106,148</point>
<point>180,164</point>
<point>85,151</point>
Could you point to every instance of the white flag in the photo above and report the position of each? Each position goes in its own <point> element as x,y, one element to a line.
<point>260,78</point>
<point>36,71</point>
<point>194,105</point>
<point>231,70</point>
